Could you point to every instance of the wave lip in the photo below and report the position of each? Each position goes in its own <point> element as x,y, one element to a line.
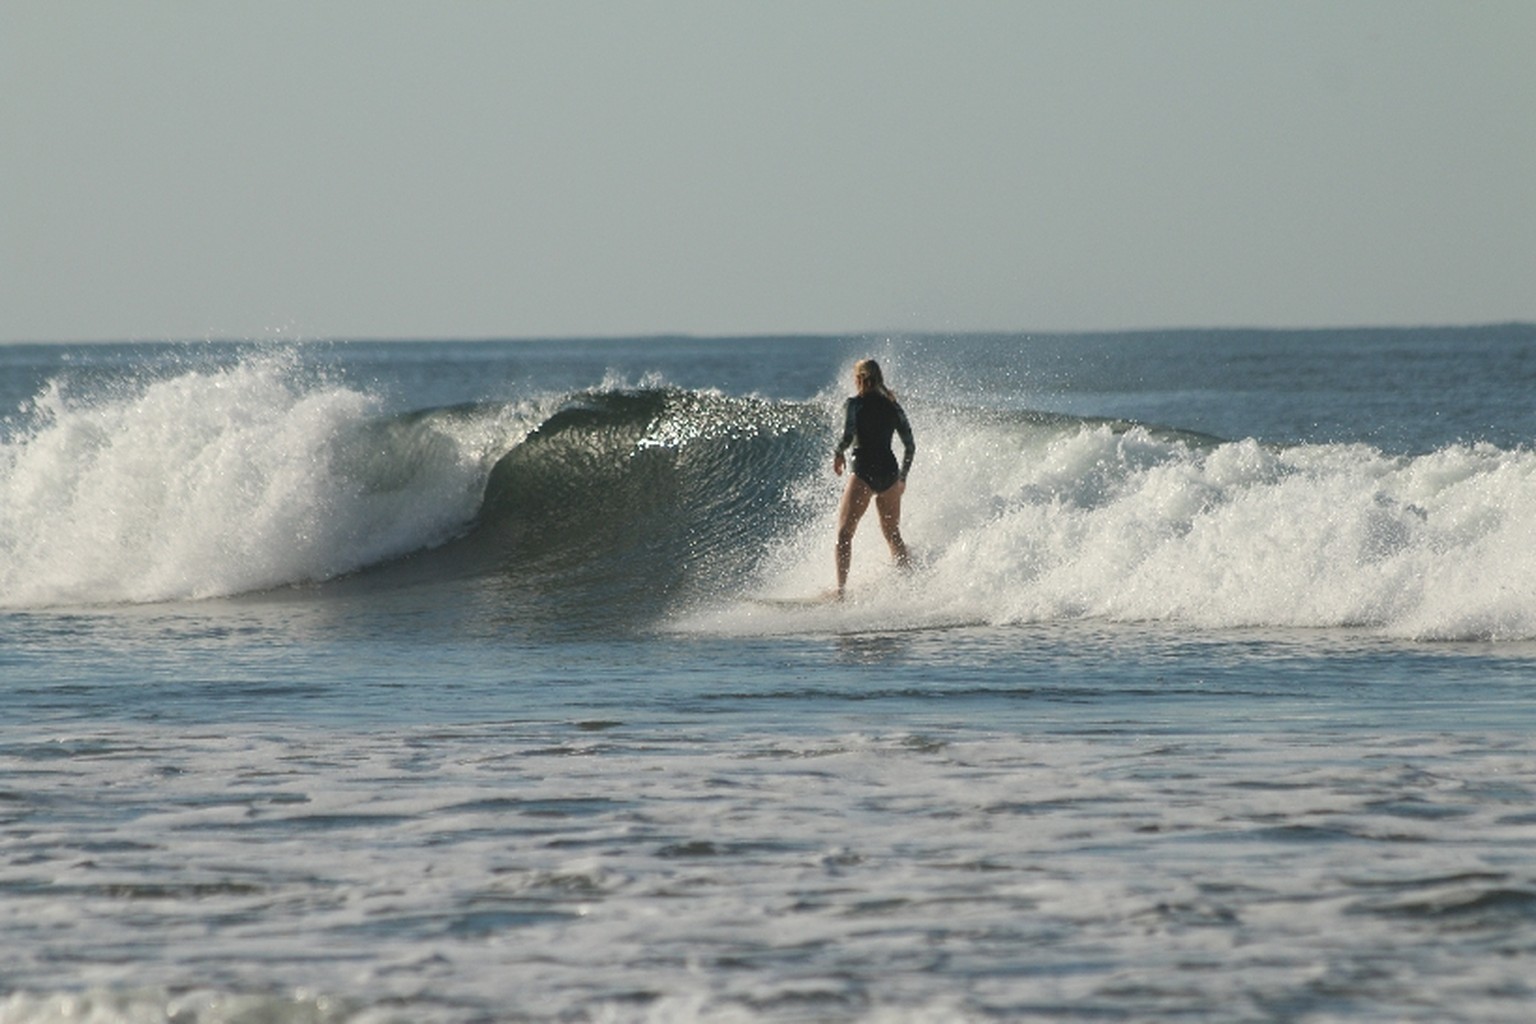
<point>625,501</point>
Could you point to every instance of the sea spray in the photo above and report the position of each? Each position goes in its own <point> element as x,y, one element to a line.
<point>219,481</point>
<point>1025,520</point>
<point>499,777</point>
<point>641,504</point>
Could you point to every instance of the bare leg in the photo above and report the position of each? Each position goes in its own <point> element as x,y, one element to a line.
<point>888,504</point>
<point>855,500</point>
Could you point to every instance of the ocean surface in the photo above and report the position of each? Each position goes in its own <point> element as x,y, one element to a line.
<point>464,682</point>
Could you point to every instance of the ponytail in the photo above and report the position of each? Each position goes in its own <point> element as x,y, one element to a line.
<point>870,371</point>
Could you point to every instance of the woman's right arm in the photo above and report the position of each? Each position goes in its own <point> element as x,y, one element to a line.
<point>850,427</point>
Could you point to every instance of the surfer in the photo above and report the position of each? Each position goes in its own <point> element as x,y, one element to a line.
<point>869,419</point>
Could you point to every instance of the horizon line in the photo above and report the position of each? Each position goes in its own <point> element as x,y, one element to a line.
<point>408,339</point>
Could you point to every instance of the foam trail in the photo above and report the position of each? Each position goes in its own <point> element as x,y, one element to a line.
<point>1016,521</point>
<point>217,482</point>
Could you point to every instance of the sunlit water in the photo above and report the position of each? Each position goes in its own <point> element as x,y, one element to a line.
<point>1223,717</point>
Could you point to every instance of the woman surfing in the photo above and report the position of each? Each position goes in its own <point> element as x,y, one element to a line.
<point>869,419</point>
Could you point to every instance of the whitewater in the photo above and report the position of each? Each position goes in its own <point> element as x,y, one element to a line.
<point>248,477</point>
<point>464,681</point>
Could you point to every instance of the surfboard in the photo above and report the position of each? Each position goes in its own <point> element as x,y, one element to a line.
<point>806,601</point>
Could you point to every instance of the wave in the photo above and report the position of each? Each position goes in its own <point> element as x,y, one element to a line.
<point>656,505</point>
<point>1096,521</point>
<point>226,480</point>
<point>623,504</point>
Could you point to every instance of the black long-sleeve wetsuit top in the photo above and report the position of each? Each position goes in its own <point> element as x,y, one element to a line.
<point>869,420</point>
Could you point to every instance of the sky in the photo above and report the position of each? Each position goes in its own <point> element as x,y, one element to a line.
<point>445,169</point>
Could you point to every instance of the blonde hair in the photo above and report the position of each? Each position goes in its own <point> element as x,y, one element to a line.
<point>869,370</point>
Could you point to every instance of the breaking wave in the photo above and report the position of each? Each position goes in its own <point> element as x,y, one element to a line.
<point>658,504</point>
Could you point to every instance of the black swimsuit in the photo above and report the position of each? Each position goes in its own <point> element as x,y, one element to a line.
<point>868,422</point>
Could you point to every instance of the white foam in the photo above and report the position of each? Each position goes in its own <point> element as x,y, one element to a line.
<point>147,1006</point>
<point>757,877</point>
<point>1015,523</point>
<point>216,482</point>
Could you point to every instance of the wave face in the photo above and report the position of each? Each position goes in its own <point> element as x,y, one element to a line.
<point>623,503</point>
<point>659,505</point>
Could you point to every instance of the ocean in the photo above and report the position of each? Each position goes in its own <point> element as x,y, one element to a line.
<point>474,681</point>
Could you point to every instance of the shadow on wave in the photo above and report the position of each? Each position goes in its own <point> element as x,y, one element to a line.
<point>622,503</point>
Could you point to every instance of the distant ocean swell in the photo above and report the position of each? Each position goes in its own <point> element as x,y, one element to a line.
<point>655,504</point>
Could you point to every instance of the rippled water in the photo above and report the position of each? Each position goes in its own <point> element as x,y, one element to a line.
<point>996,823</point>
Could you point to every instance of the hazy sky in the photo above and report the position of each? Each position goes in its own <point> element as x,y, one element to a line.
<point>347,168</point>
